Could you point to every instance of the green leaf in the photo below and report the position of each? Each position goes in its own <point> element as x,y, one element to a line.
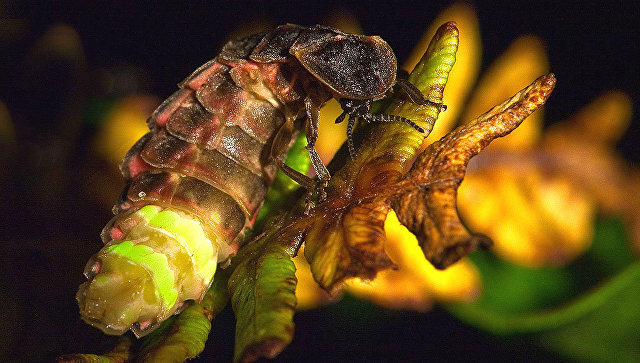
<point>609,253</point>
<point>606,330</point>
<point>609,333</point>
<point>505,323</point>
<point>262,289</point>
<point>263,282</point>
<point>587,311</point>
<point>514,289</point>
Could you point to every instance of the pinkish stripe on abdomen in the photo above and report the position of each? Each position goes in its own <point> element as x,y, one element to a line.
<point>208,151</point>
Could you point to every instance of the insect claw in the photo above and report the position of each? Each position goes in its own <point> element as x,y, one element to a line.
<point>340,118</point>
<point>414,93</point>
<point>318,189</point>
<point>352,148</point>
<point>308,205</point>
<point>440,106</point>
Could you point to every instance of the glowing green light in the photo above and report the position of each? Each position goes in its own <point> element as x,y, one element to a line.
<point>190,234</point>
<point>157,263</point>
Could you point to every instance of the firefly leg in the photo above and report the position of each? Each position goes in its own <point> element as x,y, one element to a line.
<point>352,148</point>
<point>392,118</point>
<point>298,177</point>
<point>415,95</point>
<point>312,135</point>
<point>310,184</point>
<point>350,124</point>
<point>278,149</point>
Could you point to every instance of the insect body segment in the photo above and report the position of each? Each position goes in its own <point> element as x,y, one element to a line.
<point>197,180</point>
<point>160,257</point>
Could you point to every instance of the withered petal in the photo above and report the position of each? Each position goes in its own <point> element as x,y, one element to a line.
<point>431,215</point>
<point>426,202</point>
<point>348,245</point>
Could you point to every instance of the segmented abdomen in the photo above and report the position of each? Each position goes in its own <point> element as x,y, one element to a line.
<point>208,150</point>
<point>195,182</point>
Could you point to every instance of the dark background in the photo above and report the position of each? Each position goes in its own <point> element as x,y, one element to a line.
<point>50,227</point>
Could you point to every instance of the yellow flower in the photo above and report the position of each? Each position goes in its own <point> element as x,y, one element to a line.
<point>536,195</point>
<point>122,126</point>
<point>546,188</point>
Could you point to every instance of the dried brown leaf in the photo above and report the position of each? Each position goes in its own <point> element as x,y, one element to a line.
<point>350,245</point>
<point>426,202</point>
